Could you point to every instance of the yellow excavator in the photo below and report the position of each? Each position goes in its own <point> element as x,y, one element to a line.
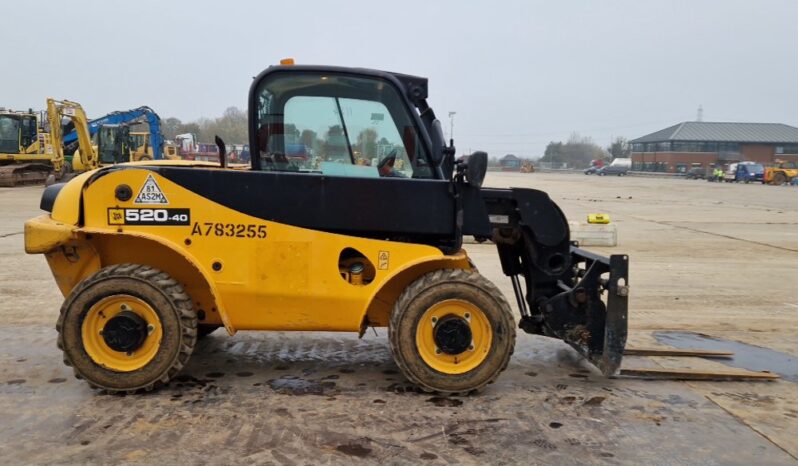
<point>31,155</point>
<point>27,154</point>
<point>86,157</point>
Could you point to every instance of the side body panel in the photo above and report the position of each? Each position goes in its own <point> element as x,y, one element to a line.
<point>268,275</point>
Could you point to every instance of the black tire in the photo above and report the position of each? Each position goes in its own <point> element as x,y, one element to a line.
<point>431,289</point>
<point>203,330</point>
<point>779,179</point>
<point>163,294</point>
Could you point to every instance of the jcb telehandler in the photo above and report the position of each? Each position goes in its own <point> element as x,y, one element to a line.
<point>152,255</point>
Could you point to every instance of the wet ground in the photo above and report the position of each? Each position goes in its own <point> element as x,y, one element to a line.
<point>707,259</point>
<point>745,356</point>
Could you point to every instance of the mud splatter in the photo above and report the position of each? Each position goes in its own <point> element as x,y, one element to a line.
<point>244,374</point>
<point>390,372</point>
<point>214,375</point>
<point>298,387</point>
<point>378,401</point>
<point>281,368</point>
<point>347,370</point>
<point>354,449</point>
<point>445,402</point>
<point>579,376</point>
<point>595,401</point>
<point>16,381</point>
<point>531,373</point>
<point>555,425</point>
<point>428,456</point>
<point>57,380</point>
<point>402,387</point>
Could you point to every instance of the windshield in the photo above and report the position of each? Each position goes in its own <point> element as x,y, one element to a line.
<point>138,139</point>
<point>9,134</point>
<point>337,125</point>
<point>755,168</point>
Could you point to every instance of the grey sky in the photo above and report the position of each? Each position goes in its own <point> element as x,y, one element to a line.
<point>519,73</point>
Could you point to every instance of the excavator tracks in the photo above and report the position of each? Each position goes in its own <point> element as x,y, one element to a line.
<point>24,174</point>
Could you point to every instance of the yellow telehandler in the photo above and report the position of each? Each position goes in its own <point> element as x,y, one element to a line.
<point>152,255</point>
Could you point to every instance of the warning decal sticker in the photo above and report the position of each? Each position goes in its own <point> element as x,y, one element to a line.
<point>383,260</point>
<point>150,193</point>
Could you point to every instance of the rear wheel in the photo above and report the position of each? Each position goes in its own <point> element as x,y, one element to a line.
<point>452,331</point>
<point>126,328</point>
<point>779,179</point>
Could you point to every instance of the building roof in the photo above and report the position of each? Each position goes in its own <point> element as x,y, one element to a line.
<point>724,132</point>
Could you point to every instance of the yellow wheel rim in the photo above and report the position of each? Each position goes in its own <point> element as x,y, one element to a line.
<point>481,337</point>
<point>102,354</point>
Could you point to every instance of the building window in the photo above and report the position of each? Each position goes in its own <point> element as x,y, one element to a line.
<point>728,147</point>
<point>787,149</point>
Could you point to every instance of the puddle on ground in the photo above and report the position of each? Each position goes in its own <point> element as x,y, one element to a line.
<point>753,358</point>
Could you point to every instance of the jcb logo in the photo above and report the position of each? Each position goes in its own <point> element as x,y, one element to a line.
<point>116,216</point>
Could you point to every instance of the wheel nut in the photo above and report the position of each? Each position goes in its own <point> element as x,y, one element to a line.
<point>150,328</point>
<point>123,307</point>
<point>437,351</point>
<point>434,319</point>
<point>467,315</point>
<point>471,348</point>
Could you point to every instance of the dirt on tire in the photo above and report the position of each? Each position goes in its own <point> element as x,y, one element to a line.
<point>437,286</point>
<point>167,298</point>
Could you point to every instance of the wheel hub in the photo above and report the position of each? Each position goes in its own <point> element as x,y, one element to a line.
<point>125,332</point>
<point>452,334</point>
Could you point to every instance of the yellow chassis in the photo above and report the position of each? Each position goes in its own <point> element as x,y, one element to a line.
<point>242,272</point>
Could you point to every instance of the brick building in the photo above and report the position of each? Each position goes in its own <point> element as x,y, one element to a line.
<point>707,144</point>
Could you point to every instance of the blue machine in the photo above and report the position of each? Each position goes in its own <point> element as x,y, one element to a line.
<point>126,117</point>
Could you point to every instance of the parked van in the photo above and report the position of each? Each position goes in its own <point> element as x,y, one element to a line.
<point>745,172</point>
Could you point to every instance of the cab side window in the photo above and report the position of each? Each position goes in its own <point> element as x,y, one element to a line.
<point>339,126</point>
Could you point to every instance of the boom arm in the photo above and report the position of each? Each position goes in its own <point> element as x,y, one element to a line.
<point>72,110</point>
<point>127,117</point>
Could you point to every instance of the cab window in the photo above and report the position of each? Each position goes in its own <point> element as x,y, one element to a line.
<point>337,126</point>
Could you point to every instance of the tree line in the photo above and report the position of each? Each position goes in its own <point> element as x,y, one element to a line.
<point>231,126</point>
<point>577,151</point>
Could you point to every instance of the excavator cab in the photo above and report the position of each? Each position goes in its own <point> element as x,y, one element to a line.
<point>113,144</point>
<point>18,132</point>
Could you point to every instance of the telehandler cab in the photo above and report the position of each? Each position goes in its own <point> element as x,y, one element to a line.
<point>366,231</point>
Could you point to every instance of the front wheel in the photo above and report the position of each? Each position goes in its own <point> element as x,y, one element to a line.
<point>452,331</point>
<point>127,328</point>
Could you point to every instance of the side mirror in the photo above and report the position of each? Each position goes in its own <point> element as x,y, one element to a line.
<point>476,168</point>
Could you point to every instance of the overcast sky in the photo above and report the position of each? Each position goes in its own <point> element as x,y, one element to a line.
<point>518,74</point>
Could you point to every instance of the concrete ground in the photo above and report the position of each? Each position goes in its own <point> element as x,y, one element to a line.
<point>718,259</point>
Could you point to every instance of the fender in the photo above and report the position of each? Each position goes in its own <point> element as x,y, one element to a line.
<point>164,256</point>
<point>380,304</point>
